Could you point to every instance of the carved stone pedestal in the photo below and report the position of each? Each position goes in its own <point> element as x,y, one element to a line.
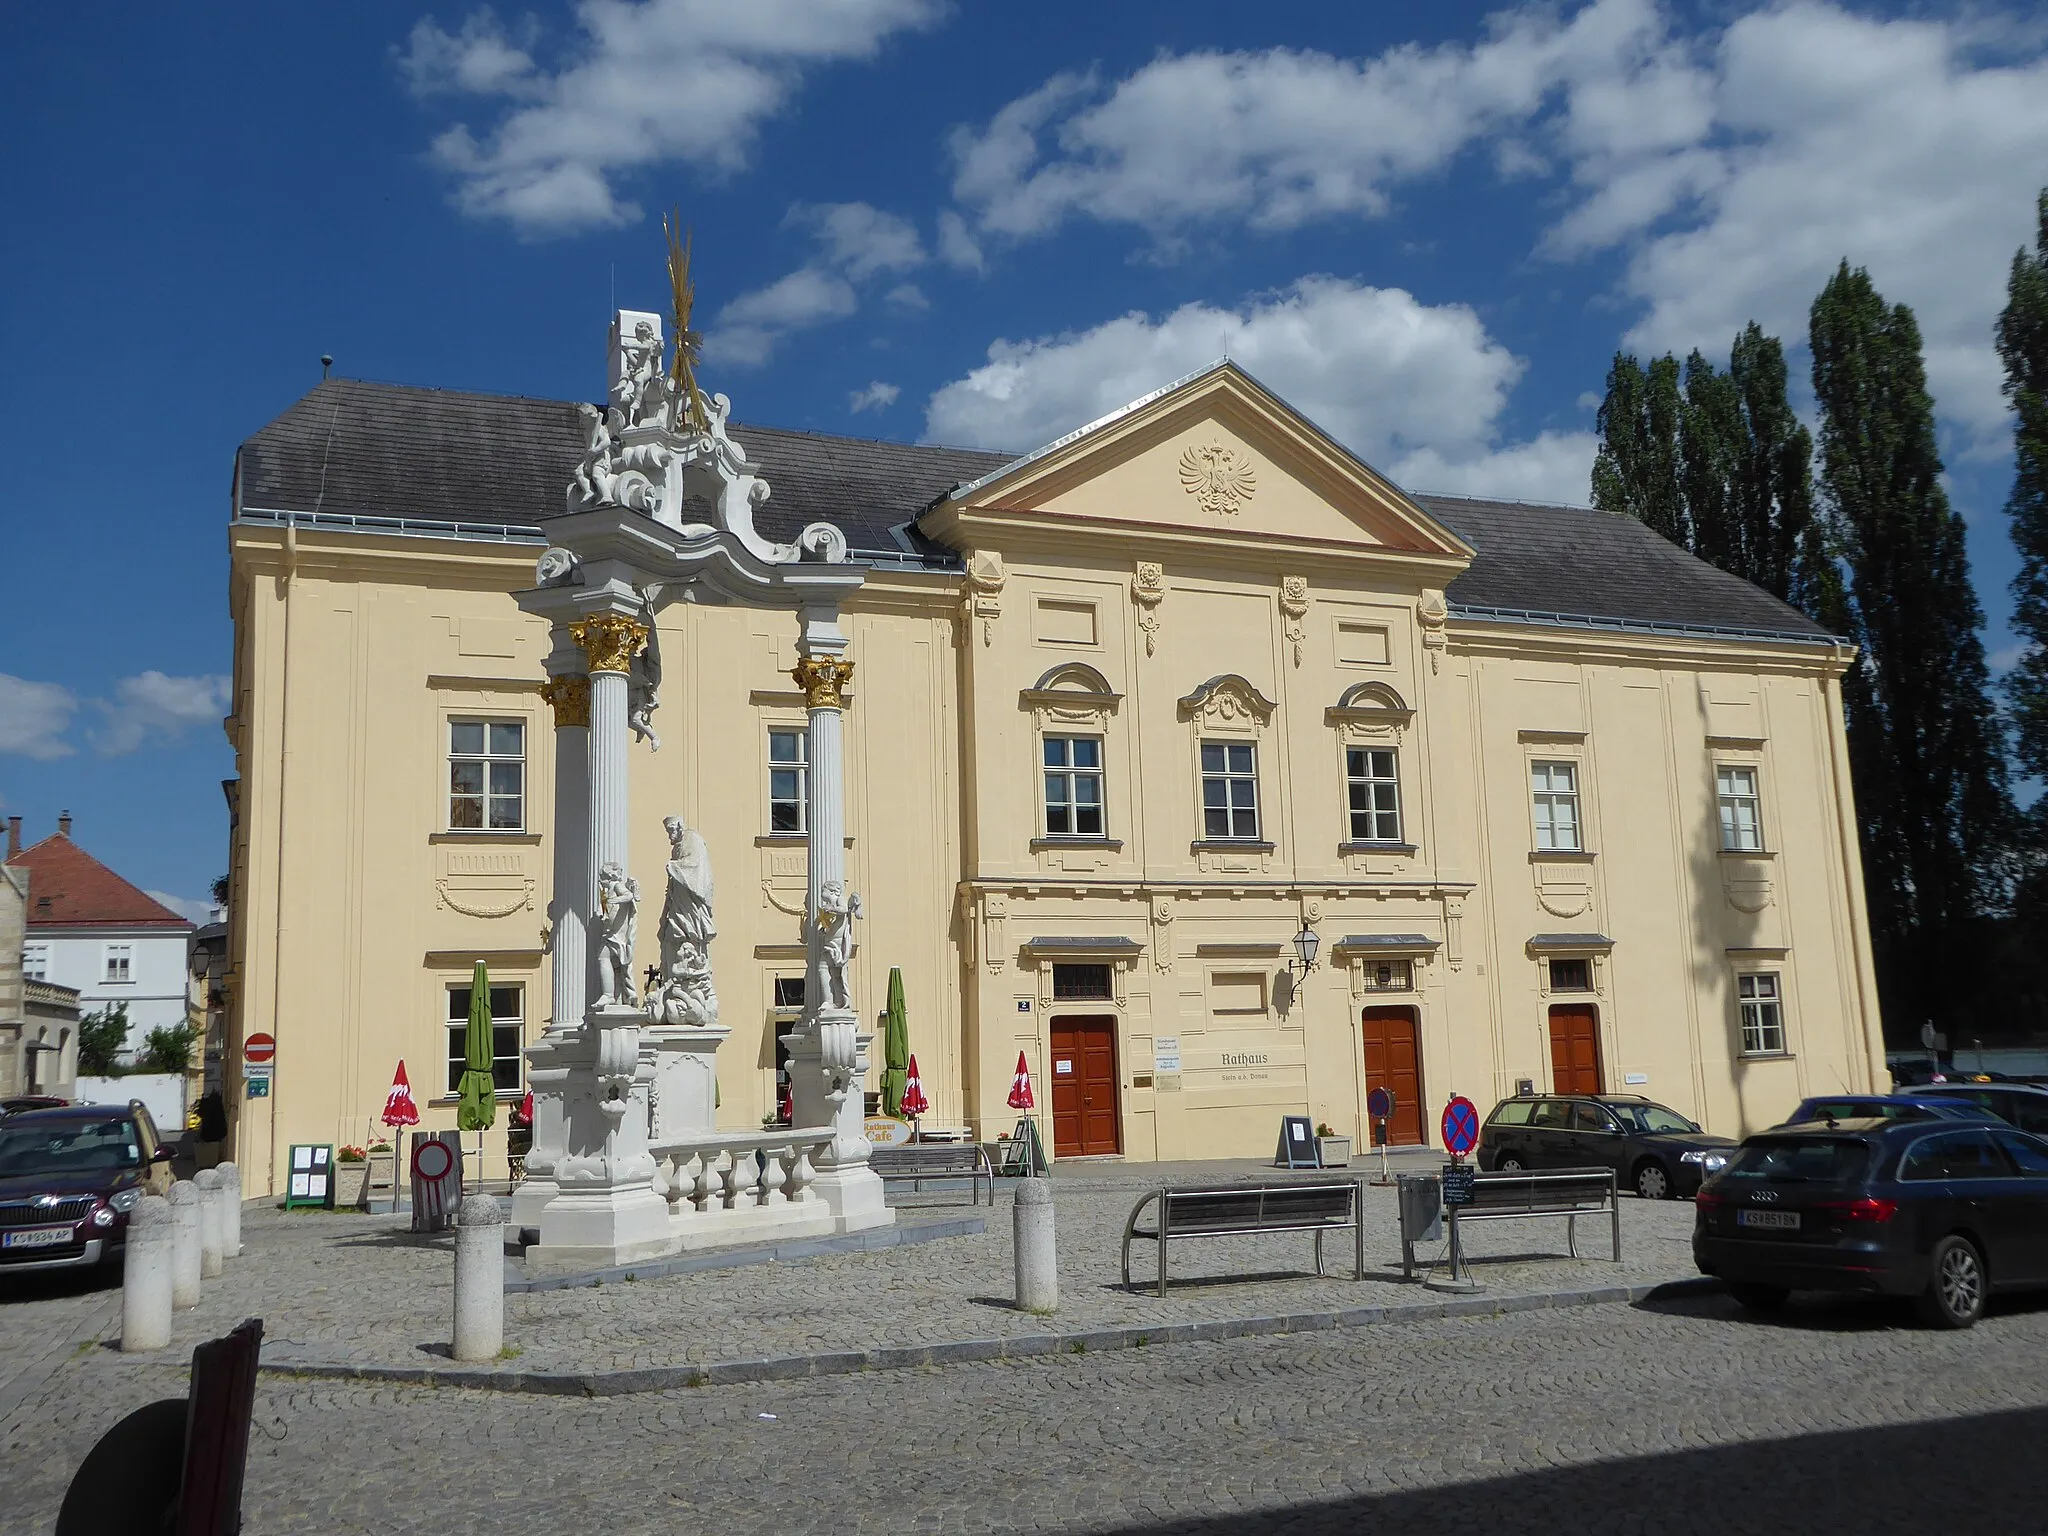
<point>606,1210</point>
<point>546,1074</point>
<point>828,1061</point>
<point>685,1091</point>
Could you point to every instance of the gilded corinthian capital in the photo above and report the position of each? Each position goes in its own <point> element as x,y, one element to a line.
<point>570,696</point>
<point>609,640</point>
<point>822,678</point>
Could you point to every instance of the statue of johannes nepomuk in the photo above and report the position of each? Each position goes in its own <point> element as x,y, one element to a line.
<point>686,994</point>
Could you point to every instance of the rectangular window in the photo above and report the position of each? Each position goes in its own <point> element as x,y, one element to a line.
<point>1374,789</point>
<point>789,774</point>
<point>1763,1024</point>
<point>120,962</point>
<point>35,962</point>
<point>1571,975</point>
<point>1230,790</point>
<point>1390,976</point>
<point>1741,827</point>
<point>1237,992</point>
<point>1073,786</point>
<point>789,994</point>
<point>1073,983</point>
<point>486,776</point>
<point>508,1017</point>
<point>1555,789</point>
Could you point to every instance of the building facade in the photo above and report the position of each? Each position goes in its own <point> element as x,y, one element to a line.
<point>1565,807</point>
<point>38,1019</point>
<point>92,932</point>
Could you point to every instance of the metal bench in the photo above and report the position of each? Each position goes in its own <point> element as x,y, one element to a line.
<point>951,1160</point>
<point>1567,1192</point>
<point>1242,1210</point>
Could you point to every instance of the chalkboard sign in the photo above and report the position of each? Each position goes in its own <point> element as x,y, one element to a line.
<point>312,1177</point>
<point>1297,1143</point>
<point>1458,1180</point>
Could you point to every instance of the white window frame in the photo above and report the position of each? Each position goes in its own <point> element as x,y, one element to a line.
<point>798,769</point>
<point>1061,783</point>
<point>499,1028</point>
<point>488,797</point>
<point>117,965</point>
<point>1378,787</point>
<point>1232,781</point>
<point>1739,834</point>
<point>1546,800</point>
<point>35,962</point>
<point>1760,1005</point>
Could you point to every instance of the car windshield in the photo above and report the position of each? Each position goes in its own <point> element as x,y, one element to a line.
<point>1799,1160</point>
<point>67,1146</point>
<point>1652,1118</point>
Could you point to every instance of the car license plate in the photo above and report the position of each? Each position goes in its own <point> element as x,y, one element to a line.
<point>1774,1221</point>
<point>36,1237</point>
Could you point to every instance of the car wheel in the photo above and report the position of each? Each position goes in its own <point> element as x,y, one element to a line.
<point>1510,1163</point>
<point>1956,1289</point>
<point>1752,1297</point>
<point>1652,1182</point>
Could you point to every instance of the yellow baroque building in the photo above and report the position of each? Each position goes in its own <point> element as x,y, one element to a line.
<point>1566,808</point>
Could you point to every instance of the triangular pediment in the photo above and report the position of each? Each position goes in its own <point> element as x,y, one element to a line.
<point>1215,457</point>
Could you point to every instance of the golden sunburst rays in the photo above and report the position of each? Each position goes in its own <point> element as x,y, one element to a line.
<point>688,344</point>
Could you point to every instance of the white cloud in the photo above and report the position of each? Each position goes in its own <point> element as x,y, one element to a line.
<point>34,718</point>
<point>856,242</point>
<point>958,247</point>
<point>1414,389</point>
<point>199,913</point>
<point>1732,169</point>
<point>748,328</point>
<point>647,82</point>
<point>878,396</point>
<point>860,239</point>
<point>151,704</point>
<point>908,298</point>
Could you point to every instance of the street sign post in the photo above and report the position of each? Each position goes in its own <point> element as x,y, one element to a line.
<point>1460,1126</point>
<point>259,1050</point>
<point>1379,1104</point>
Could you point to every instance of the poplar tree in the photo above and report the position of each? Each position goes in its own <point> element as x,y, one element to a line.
<point>1924,744</point>
<point>2023,348</point>
<point>1637,470</point>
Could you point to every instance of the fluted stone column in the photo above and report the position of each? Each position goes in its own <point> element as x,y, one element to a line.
<point>828,1054</point>
<point>567,691</point>
<point>605,1210</point>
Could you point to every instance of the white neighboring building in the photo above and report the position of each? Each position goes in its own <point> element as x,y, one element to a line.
<point>91,930</point>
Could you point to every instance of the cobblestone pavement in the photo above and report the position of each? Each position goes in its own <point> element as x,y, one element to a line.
<point>362,1290</point>
<point>1679,1417</point>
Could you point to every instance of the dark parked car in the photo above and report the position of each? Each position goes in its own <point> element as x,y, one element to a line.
<point>68,1179</point>
<point>16,1105</point>
<point>1656,1151</point>
<point>1945,1213</point>
<point>2015,1103</point>
<point>1879,1106</point>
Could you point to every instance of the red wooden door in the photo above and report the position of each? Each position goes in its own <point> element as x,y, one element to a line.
<point>1085,1118</point>
<point>1574,1049</point>
<point>1393,1060</point>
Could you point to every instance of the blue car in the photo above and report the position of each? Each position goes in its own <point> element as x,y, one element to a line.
<point>1897,1106</point>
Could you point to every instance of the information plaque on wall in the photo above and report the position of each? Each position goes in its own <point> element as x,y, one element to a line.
<point>311,1180</point>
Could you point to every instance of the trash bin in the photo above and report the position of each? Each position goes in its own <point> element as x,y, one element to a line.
<point>1421,1197</point>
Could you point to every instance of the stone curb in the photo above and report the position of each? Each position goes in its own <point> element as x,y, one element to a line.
<point>667,1378</point>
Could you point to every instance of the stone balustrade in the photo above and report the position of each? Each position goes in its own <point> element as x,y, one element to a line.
<point>723,1187</point>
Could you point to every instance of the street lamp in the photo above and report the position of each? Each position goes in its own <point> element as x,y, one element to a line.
<point>1305,945</point>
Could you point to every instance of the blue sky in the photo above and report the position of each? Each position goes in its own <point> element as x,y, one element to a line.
<point>1428,226</point>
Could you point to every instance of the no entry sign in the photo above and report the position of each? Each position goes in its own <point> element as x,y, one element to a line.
<point>259,1050</point>
<point>1460,1126</point>
<point>1380,1103</point>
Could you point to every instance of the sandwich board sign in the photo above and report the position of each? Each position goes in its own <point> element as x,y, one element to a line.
<point>312,1177</point>
<point>1297,1143</point>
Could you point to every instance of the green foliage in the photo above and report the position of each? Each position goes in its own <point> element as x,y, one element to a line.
<point>1924,743</point>
<point>168,1049</point>
<point>220,890</point>
<point>102,1036</point>
<point>1637,470</point>
<point>2023,348</point>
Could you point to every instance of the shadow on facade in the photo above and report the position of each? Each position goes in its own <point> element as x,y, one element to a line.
<point>1977,1474</point>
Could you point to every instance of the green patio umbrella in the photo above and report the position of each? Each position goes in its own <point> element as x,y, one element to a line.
<point>895,1045</point>
<point>478,1090</point>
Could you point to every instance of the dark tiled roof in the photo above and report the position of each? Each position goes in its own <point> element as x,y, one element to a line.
<point>81,890</point>
<point>1576,562</point>
<point>390,450</point>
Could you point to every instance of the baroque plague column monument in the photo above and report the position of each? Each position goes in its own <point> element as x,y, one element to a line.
<point>627,1162</point>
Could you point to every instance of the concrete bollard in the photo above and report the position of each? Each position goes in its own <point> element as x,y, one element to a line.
<point>230,1210</point>
<point>146,1276</point>
<point>185,1245</point>
<point>1038,1268</point>
<point>207,1182</point>
<point>479,1279</point>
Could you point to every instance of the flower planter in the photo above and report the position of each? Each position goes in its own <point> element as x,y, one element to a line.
<point>383,1177</point>
<point>351,1186</point>
<point>1333,1151</point>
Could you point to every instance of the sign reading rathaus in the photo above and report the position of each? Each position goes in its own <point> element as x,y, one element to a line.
<point>1077,739</point>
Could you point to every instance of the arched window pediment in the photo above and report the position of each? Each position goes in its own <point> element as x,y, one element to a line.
<point>1226,698</point>
<point>1370,706</point>
<point>1072,690</point>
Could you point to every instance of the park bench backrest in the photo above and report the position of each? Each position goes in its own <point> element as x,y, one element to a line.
<point>1564,1190</point>
<point>1210,1210</point>
<point>926,1160</point>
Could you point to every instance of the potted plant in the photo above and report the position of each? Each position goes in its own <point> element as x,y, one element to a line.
<point>1332,1150</point>
<point>351,1178</point>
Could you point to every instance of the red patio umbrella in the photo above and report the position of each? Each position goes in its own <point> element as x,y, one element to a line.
<point>914,1101</point>
<point>399,1108</point>
<point>523,1116</point>
<point>1020,1086</point>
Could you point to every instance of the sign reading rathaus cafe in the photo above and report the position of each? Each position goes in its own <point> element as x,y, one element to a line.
<point>692,731</point>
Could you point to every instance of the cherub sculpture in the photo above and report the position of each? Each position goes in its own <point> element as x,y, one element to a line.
<point>618,925</point>
<point>829,946</point>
